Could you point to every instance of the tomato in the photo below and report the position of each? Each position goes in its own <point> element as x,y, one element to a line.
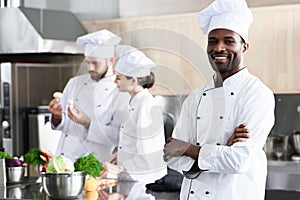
<point>44,168</point>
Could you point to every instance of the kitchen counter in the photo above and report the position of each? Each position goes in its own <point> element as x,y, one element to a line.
<point>282,194</point>
<point>283,175</point>
<point>30,190</point>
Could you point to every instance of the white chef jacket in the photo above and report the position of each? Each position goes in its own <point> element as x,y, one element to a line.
<point>134,191</point>
<point>142,140</point>
<point>104,105</point>
<point>236,172</point>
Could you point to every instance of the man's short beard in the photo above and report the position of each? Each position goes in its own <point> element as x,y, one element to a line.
<point>227,69</point>
<point>98,78</point>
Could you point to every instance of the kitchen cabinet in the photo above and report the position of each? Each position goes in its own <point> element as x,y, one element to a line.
<point>273,56</point>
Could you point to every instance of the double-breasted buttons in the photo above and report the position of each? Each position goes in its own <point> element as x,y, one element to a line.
<point>198,143</point>
<point>192,192</point>
<point>206,192</point>
<point>204,94</point>
<point>232,93</point>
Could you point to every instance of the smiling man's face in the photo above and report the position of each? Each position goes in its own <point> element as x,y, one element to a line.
<point>225,49</point>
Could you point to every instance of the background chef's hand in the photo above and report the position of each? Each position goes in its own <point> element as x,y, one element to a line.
<point>110,196</point>
<point>104,172</point>
<point>55,108</point>
<point>175,148</point>
<point>239,132</point>
<point>78,116</point>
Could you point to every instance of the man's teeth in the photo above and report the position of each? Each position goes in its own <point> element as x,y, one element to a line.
<point>220,58</point>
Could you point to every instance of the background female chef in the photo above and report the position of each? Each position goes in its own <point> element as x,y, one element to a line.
<point>92,123</point>
<point>142,137</point>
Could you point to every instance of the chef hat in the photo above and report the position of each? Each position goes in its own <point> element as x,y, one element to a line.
<point>226,14</point>
<point>99,44</point>
<point>132,62</point>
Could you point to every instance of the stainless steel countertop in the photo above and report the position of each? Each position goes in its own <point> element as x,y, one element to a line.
<point>283,175</point>
<point>29,189</point>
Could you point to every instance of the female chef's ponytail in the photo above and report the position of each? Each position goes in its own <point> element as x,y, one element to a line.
<point>147,81</point>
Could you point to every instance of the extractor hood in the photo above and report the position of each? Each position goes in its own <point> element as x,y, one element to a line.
<point>31,30</point>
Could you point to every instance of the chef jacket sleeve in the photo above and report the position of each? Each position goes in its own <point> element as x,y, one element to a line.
<point>184,130</point>
<point>257,112</point>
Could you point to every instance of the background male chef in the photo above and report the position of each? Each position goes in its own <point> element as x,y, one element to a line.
<point>233,98</point>
<point>90,110</point>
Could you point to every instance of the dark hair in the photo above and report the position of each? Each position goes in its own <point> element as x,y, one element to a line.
<point>243,41</point>
<point>145,82</point>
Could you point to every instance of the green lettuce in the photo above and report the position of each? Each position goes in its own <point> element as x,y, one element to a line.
<point>4,155</point>
<point>60,164</point>
<point>89,165</point>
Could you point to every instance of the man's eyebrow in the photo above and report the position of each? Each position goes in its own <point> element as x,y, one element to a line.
<point>229,37</point>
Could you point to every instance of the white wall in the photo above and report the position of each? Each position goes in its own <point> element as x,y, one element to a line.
<point>85,10</point>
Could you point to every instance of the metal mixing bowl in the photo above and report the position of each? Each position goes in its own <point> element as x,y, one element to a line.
<point>63,185</point>
<point>15,174</point>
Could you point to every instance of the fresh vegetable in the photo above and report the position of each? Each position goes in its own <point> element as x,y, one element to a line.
<point>45,156</point>
<point>60,164</point>
<point>57,95</point>
<point>33,157</point>
<point>91,195</point>
<point>91,184</point>
<point>4,155</point>
<point>89,165</point>
<point>13,162</point>
<point>44,167</point>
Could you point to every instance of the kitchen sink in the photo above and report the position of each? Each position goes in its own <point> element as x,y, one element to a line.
<point>283,175</point>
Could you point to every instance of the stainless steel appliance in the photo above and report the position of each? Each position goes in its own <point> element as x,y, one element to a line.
<point>42,30</point>
<point>6,121</point>
<point>40,132</point>
<point>38,55</point>
<point>171,110</point>
<point>27,85</point>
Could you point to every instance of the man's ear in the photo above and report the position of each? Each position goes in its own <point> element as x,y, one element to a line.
<point>111,60</point>
<point>134,80</point>
<point>245,47</point>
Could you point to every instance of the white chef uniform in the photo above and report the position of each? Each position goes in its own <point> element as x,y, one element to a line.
<point>134,191</point>
<point>99,100</point>
<point>204,122</point>
<point>209,116</point>
<point>142,133</point>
